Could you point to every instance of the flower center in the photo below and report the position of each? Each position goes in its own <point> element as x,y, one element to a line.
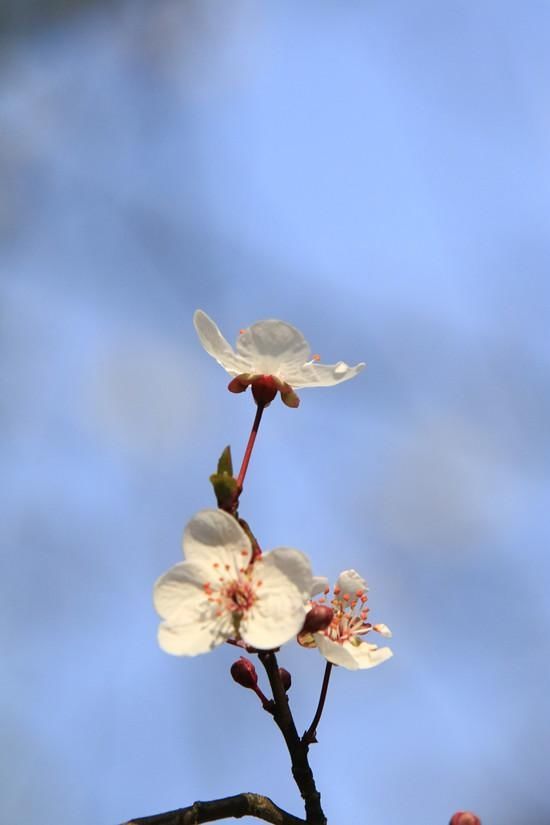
<point>238,596</point>
<point>229,595</point>
<point>350,616</point>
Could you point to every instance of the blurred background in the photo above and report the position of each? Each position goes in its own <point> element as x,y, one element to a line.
<point>377,174</point>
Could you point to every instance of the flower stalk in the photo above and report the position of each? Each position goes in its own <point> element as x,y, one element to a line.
<point>310,736</point>
<point>248,451</point>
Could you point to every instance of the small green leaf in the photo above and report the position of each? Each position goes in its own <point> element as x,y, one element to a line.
<point>225,465</point>
<point>225,486</point>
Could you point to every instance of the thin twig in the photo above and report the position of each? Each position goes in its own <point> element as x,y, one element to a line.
<point>310,736</point>
<point>243,804</point>
<point>301,771</point>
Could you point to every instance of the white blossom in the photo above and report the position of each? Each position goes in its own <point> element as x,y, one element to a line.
<point>220,592</point>
<point>342,641</point>
<point>270,349</point>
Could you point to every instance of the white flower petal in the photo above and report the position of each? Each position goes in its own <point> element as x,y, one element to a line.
<point>179,594</point>
<point>320,584</point>
<point>321,375</point>
<point>194,637</point>
<point>191,625</point>
<point>215,344</point>
<point>349,581</point>
<point>351,656</point>
<point>334,652</point>
<point>285,564</point>
<point>273,347</point>
<point>383,629</point>
<point>367,655</point>
<point>279,612</point>
<point>217,542</point>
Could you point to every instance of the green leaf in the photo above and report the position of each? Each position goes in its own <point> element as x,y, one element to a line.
<point>225,465</point>
<point>225,486</point>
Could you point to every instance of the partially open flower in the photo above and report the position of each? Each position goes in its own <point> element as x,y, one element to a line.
<point>342,640</point>
<point>221,592</point>
<point>270,356</point>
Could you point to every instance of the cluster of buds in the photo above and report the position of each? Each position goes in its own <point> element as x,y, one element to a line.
<point>244,673</point>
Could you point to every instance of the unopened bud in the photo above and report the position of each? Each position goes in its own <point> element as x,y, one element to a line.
<point>244,673</point>
<point>465,818</point>
<point>318,618</point>
<point>286,678</point>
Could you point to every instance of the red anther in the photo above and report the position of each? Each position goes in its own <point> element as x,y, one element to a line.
<point>244,673</point>
<point>465,818</point>
<point>318,618</point>
<point>286,678</point>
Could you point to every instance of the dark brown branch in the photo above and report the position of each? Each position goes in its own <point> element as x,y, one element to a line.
<point>297,749</point>
<point>310,736</point>
<point>243,804</point>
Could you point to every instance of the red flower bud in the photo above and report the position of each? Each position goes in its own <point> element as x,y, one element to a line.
<point>464,818</point>
<point>244,673</point>
<point>318,618</point>
<point>286,678</point>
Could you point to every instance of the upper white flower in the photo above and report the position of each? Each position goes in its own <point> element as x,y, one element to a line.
<point>270,349</point>
<point>342,642</point>
<point>218,592</point>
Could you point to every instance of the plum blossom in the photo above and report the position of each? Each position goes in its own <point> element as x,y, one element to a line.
<point>221,592</point>
<point>271,356</point>
<point>340,640</point>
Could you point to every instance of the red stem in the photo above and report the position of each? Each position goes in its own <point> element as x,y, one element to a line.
<point>249,447</point>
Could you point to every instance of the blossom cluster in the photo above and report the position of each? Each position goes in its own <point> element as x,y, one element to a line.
<point>224,591</point>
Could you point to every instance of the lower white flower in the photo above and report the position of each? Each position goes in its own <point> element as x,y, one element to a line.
<point>219,592</point>
<point>342,640</point>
